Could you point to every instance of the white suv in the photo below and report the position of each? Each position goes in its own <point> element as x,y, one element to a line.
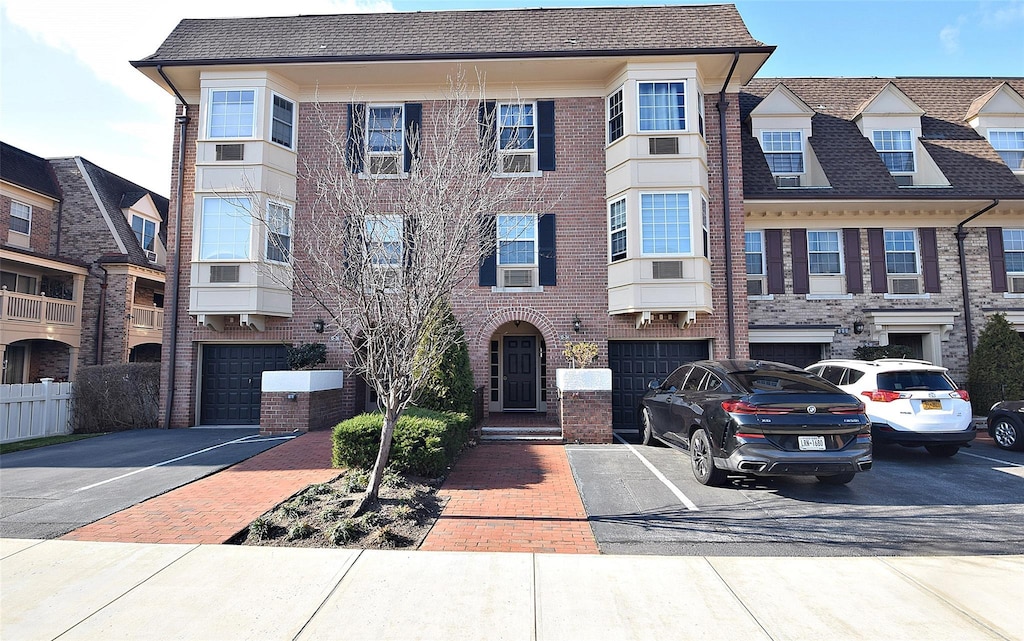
<point>909,402</point>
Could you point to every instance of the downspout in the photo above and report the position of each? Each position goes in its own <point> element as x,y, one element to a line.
<point>172,348</point>
<point>723,107</point>
<point>961,234</point>
<point>60,218</point>
<point>100,317</point>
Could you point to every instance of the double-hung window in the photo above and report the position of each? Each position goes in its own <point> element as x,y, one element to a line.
<point>662,106</point>
<point>517,249</point>
<point>1013,253</point>
<point>896,148</point>
<point>705,224</point>
<point>279,232</point>
<point>616,119</point>
<point>665,224</point>
<point>385,139</point>
<point>232,113</point>
<point>756,285</point>
<point>1009,144</point>
<point>226,229</point>
<point>784,151</point>
<point>823,253</point>
<point>617,229</point>
<point>282,125</point>
<point>901,261</point>
<point>145,233</point>
<point>517,138</point>
<point>21,217</point>
<point>384,241</point>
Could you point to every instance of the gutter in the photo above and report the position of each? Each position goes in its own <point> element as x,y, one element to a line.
<point>961,234</point>
<point>100,316</point>
<point>723,107</point>
<point>172,348</point>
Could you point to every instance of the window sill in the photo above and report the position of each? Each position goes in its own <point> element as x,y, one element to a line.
<point>889,296</point>
<point>762,297</point>
<point>829,297</point>
<point>364,176</point>
<point>1013,295</point>
<point>539,289</point>
<point>519,174</point>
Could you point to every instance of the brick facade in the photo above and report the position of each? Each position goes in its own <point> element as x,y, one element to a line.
<point>320,410</point>
<point>586,416</point>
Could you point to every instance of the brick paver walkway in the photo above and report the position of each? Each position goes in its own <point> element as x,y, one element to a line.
<point>215,508</point>
<point>512,497</point>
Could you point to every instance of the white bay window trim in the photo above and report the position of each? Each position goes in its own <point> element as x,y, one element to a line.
<point>666,224</point>
<point>225,231</point>
<point>231,113</point>
<point>661,106</point>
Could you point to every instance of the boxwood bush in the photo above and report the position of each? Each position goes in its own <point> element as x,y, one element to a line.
<point>425,443</point>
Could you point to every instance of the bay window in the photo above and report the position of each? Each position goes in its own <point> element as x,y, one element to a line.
<point>662,106</point>
<point>665,224</point>
<point>225,229</point>
<point>232,113</point>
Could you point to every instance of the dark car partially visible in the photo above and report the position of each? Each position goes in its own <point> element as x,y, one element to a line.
<point>760,418</point>
<point>1006,424</point>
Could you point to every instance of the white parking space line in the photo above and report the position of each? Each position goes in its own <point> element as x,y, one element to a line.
<point>994,460</point>
<point>685,500</point>
<point>185,456</point>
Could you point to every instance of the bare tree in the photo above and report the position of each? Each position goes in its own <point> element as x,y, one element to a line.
<point>386,245</point>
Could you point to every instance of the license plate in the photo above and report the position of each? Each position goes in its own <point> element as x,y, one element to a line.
<point>812,442</point>
<point>931,404</point>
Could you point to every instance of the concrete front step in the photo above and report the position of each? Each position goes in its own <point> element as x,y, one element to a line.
<point>531,433</point>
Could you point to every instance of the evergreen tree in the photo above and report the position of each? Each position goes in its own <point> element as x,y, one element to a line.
<point>996,372</point>
<point>449,387</point>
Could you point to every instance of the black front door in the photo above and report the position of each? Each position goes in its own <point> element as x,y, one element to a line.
<point>231,382</point>
<point>520,375</point>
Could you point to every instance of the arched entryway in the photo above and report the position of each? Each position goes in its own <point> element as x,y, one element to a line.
<point>518,380</point>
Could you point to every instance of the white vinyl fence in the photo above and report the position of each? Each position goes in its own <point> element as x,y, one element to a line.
<point>33,410</point>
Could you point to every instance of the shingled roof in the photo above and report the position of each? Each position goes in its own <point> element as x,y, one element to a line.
<point>849,160</point>
<point>518,33</point>
<point>29,171</point>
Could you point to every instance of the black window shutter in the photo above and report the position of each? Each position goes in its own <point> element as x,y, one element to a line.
<point>801,277</point>
<point>546,135</point>
<point>876,261</point>
<point>354,143</point>
<point>930,260</point>
<point>489,263</point>
<point>546,249</point>
<point>996,259</point>
<point>488,133</point>
<point>413,116</point>
<point>854,269</point>
<point>773,260</point>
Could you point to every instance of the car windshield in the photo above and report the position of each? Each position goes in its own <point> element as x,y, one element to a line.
<point>914,380</point>
<point>776,381</point>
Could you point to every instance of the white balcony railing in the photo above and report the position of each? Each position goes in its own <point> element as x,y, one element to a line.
<point>41,310</point>
<point>147,317</point>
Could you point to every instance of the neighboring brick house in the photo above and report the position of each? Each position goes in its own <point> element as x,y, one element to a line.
<point>82,266</point>
<point>641,253</point>
<point>882,211</point>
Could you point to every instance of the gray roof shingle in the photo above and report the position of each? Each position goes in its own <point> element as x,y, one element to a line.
<point>26,170</point>
<point>849,160</point>
<point>457,34</point>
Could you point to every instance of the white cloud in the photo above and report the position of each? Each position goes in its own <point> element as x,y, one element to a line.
<point>1002,14</point>
<point>949,36</point>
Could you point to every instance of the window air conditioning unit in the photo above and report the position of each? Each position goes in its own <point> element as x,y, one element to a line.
<point>231,152</point>
<point>787,181</point>
<point>384,165</point>
<point>223,273</point>
<point>667,269</point>
<point>755,287</point>
<point>517,164</point>
<point>518,278</point>
<point>904,181</point>
<point>151,255</point>
<point>663,146</point>
<point>1017,284</point>
<point>904,286</point>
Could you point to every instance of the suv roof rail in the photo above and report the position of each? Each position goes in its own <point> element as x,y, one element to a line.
<point>903,360</point>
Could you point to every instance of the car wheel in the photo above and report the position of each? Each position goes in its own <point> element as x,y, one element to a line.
<point>646,432</point>
<point>1008,433</point>
<point>837,479</point>
<point>702,461</point>
<point>942,451</point>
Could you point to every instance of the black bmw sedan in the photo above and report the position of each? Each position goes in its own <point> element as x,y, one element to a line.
<point>758,417</point>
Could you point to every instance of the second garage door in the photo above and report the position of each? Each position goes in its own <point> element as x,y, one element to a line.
<point>231,381</point>
<point>798,354</point>
<point>635,363</point>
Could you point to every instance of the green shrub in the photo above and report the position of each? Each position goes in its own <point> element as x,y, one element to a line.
<point>306,355</point>
<point>111,398</point>
<point>996,370</point>
<point>425,443</point>
<point>449,387</point>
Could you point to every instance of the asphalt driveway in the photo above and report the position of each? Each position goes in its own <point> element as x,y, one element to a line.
<point>49,491</point>
<point>644,500</point>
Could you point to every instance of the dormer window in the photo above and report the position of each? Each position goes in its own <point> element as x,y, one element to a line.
<point>145,232</point>
<point>896,148</point>
<point>784,152</point>
<point>1009,144</point>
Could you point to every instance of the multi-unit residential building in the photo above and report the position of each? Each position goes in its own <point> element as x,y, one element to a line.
<point>81,263</point>
<point>646,123</point>
<point>882,211</point>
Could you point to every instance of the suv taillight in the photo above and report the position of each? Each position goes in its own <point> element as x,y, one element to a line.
<point>962,393</point>
<point>882,395</point>
<point>743,407</point>
<point>856,409</point>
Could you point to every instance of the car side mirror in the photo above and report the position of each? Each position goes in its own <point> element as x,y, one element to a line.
<point>654,385</point>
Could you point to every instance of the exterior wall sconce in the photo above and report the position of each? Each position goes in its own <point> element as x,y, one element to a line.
<point>858,327</point>
<point>577,324</point>
<point>318,326</point>
<point>516,322</point>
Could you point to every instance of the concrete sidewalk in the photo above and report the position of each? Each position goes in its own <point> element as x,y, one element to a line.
<point>90,590</point>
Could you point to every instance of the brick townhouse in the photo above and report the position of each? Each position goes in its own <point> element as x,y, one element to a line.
<point>628,108</point>
<point>882,211</point>
<point>81,263</point>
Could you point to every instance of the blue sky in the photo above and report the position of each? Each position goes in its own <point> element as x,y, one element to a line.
<point>66,87</point>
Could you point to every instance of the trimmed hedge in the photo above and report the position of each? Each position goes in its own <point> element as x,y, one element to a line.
<point>111,398</point>
<point>425,443</point>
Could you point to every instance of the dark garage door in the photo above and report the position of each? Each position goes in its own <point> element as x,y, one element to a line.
<point>635,363</point>
<point>231,382</point>
<point>799,354</point>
